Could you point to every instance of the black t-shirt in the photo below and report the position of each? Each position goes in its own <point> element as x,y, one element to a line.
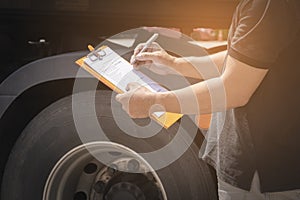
<point>264,135</point>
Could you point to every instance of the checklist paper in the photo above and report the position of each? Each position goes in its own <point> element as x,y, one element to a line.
<point>115,72</point>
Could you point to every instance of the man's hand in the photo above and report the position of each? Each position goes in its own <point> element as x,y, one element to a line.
<point>138,101</point>
<point>154,58</point>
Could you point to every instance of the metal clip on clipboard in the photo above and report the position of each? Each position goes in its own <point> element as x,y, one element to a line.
<point>97,54</point>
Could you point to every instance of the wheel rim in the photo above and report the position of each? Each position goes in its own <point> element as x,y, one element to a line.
<point>80,176</point>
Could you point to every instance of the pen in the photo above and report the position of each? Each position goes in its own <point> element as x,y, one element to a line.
<point>148,43</point>
<point>91,48</point>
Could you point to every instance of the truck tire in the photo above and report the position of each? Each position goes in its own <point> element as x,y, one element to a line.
<point>52,135</point>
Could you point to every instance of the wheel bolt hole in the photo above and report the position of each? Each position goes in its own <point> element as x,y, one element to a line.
<point>80,196</point>
<point>90,168</point>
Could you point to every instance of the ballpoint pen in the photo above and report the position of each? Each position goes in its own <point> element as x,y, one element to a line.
<point>147,44</point>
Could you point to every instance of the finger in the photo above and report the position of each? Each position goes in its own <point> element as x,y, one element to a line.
<point>119,98</point>
<point>138,48</point>
<point>153,47</point>
<point>147,56</point>
<point>133,60</point>
<point>140,64</point>
<point>132,86</point>
<point>137,51</point>
<point>136,63</point>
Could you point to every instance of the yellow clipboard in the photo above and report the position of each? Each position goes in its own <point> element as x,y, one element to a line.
<point>166,119</point>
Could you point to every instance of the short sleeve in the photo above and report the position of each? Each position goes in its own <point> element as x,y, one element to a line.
<point>264,28</point>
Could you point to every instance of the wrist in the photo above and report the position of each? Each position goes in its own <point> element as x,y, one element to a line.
<point>166,101</point>
<point>172,63</point>
<point>156,102</point>
<point>179,64</point>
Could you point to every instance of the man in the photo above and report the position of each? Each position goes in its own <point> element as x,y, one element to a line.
<point>256,154</point>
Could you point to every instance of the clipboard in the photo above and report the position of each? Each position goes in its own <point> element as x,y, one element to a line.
<point>110,68</point>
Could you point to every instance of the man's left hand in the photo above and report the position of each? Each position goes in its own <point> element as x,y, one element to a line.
<point>137,101</point>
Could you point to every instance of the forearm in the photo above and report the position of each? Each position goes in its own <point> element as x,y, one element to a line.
<point>204,67</point>
<point>232,89</point>
<point>202,98</point>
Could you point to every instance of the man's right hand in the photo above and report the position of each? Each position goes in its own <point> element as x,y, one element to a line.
<point>155,58</point>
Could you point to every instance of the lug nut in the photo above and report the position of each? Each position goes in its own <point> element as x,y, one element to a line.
<point>133,165</point>
<point>99,187</point>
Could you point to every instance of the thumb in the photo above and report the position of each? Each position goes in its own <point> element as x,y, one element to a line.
<point>119,97</point>
<point>132,86</point>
